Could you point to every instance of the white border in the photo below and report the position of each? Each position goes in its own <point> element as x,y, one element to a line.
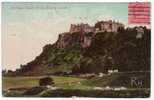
<point>77,98</point>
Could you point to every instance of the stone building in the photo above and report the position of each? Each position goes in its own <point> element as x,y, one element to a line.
<point>83,28</point>
<point>140,32</point>
<point>108,26</point>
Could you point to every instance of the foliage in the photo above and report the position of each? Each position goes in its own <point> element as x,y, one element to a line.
<point>46,81</point>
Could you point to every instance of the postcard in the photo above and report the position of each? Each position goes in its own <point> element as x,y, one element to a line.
<point>100,50</point>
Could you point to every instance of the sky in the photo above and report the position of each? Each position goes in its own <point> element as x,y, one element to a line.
<point>27,27</point>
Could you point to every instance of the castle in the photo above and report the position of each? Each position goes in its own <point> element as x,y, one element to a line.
<point>100,26</point>
<point>83,28</point>
<point>108,26</point>
<point>86,32</point>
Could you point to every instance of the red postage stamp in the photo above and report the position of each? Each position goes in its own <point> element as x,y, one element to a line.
<point>139,13</point>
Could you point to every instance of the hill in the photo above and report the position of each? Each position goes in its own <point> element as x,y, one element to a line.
<point>92,52</point>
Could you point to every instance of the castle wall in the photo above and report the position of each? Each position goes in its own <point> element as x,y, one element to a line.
<point>84,28</point>
<point>107,26</point>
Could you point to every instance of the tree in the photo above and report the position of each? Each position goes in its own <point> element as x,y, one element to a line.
<point>46,81</point>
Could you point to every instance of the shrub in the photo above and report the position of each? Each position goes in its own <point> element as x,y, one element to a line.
<point>46,81</point>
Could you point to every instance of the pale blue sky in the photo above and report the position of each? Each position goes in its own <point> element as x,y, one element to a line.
<point>27,27</point>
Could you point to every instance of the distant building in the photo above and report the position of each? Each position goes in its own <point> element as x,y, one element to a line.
<point>100,75</point>
<point>140,32</point>
<point>113,71</point>
<point>83,28</point>
<point>108,26</point>
<point>101,26</point>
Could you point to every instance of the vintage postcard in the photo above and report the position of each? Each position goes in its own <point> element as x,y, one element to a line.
<point>76,49</point>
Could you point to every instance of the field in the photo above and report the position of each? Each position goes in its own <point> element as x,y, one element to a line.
<point>27,82</point>
<point>76,86</point>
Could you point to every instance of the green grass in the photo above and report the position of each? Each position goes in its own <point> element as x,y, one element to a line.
<point>74,86</point>
<point>67,82</point>
<point>26,82</point>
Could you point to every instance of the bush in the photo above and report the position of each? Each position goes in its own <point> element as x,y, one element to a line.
<point>46,81</point>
